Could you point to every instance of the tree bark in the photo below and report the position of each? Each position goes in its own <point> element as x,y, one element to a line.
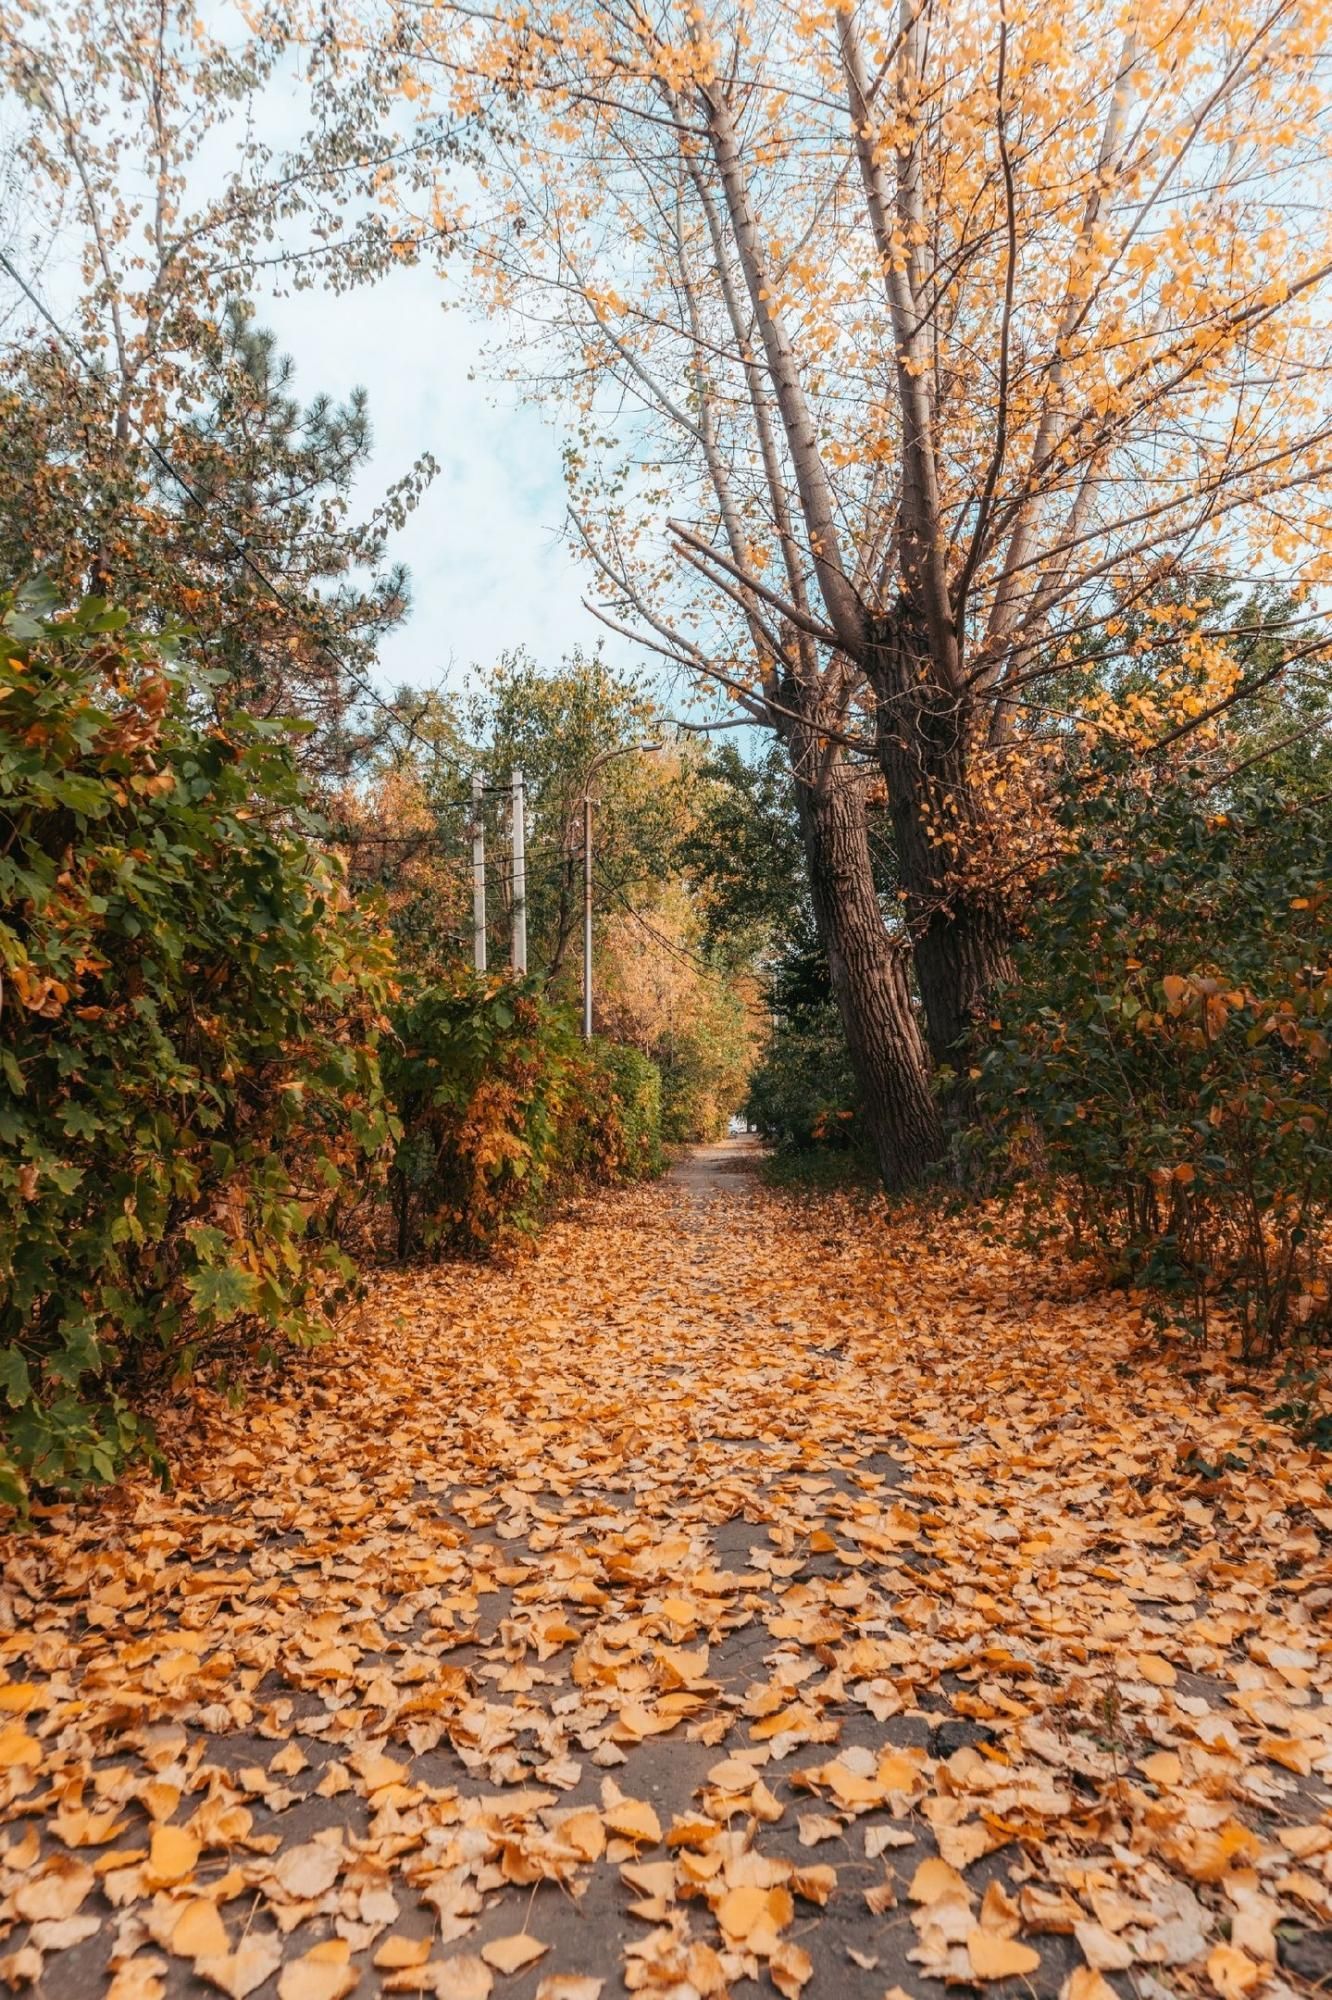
<point>869,978</point>
<point>928,739</point>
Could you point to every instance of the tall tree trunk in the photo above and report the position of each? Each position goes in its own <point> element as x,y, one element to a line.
<point>928,740</point>
<point>868,977</point>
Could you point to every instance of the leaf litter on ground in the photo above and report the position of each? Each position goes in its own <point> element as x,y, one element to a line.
<point>974,1615</point>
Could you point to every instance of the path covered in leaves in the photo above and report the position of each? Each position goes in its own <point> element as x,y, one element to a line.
<point>730,1592</point>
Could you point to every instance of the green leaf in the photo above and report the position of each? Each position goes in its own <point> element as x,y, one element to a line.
<point>14,1379</point>
<point>222,1291</point>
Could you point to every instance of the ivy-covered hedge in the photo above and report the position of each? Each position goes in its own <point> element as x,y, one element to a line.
<point>1164,1064</point>
<point>502,1107</point>
<point>189,1088</point>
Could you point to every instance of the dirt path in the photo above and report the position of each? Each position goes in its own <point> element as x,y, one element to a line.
<point>726,1592</point>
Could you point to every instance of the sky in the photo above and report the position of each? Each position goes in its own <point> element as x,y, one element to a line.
<point>489,566</point>
<point>489,569</point>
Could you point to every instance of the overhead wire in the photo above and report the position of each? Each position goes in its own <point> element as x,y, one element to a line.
<point>669,945</point>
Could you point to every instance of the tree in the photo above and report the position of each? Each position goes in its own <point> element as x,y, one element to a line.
<point>586,730</point>
<point>666,981</point>
<point>570,731</point>
<point>746,859</point>
<point>265,495</point>
<point>743,853</point>
<point>944,330</point>
<point>401,822</point>
<point>162,363</point>
<point>698,1020</point>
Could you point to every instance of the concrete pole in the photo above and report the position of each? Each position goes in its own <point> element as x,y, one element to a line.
<point>625,750</point>
<point>519,848</point>
<point>587,919</point>
<point>478,874</point>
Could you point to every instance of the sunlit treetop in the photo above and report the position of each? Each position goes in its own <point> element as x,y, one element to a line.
<point>953,302</point>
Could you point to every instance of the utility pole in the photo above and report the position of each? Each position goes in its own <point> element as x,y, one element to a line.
<point>587,917</point>
<point>625,750</point>
<point>518,838</point>
<point>478,873</point>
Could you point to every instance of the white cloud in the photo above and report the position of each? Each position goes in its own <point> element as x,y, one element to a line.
<point>489,570</point>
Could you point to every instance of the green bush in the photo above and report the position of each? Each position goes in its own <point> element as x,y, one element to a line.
<point>802,1093</point>
<point>502,1107</point>
<point>1164,1057</point>
<point>623,1140</point>
<point>189,1091</point>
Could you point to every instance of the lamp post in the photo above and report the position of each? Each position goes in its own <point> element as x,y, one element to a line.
<point>518,855</point>
<point>478,873</point>
<point>605,757</point>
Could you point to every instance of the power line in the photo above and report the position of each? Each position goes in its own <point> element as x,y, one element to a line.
<point>187,487</point>
<point>673,949</point>
<point>448,846</point>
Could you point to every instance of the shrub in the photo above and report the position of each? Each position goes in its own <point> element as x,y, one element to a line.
<point>623,1140</point>
<point>502,1106</point>
<point>189,1092</point>
<point>802,1093</point>
<point>1165,1053</point>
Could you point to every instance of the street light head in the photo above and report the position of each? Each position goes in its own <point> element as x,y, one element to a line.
<point>621,750</point>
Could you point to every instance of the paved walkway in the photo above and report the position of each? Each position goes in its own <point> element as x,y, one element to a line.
<point>725,1597</point>
<point>709,1170</point>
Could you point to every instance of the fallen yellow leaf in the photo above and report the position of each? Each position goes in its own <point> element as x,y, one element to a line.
<point>511,1954</point>
<point>1156,1670</point>
<point>934,1880</point>
<point>396,1952</point>
<point>325,1973</point>
<point>172,1855</point>
<point>634,1819</point>
<point>56,1893</point>
<point>1233,1973</point>
<point>790,1967</point>
<point>238,1974</point>
<point>199,1931</point>
<point>995,1957</point>
<point>17,1747</point>
<point>1085,1983</point>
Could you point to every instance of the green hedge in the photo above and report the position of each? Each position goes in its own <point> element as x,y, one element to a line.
<point>503,1107</point>
<point>802,1093</point>
<point>1164,1062</point>
<point>189,1091</point>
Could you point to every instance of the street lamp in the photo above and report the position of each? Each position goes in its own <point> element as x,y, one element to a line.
<point>605,757</point>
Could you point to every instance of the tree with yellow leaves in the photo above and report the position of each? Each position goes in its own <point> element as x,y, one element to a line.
<point>907,347</point>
